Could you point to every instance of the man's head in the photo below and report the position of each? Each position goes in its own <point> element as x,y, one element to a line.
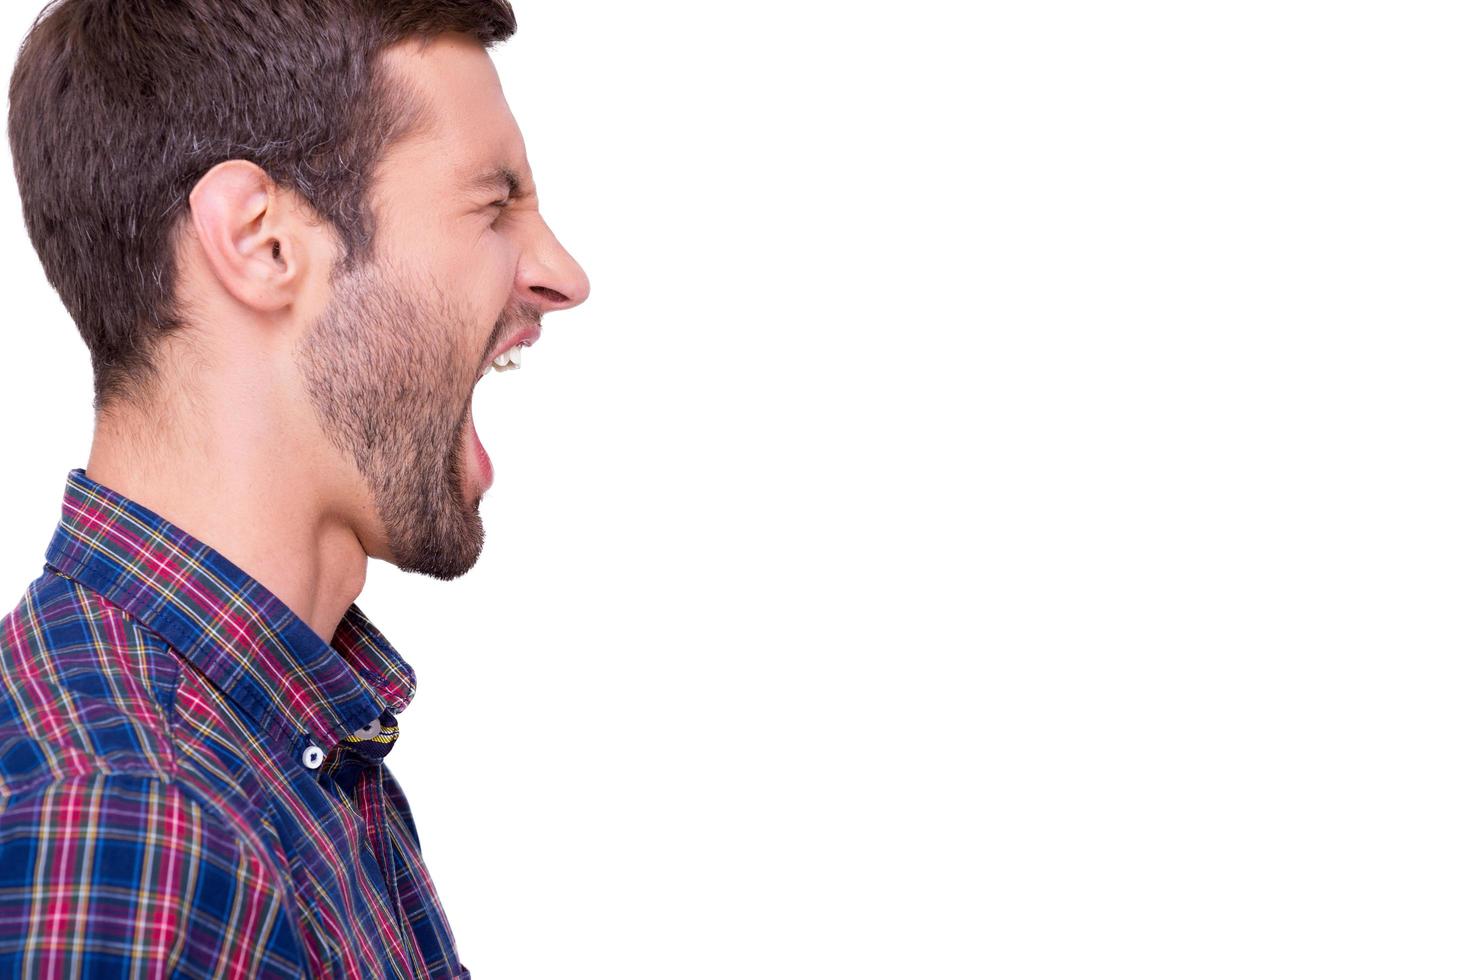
<point>321,207</point>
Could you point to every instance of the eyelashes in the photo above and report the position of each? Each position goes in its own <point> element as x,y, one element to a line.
<point>496,208</point>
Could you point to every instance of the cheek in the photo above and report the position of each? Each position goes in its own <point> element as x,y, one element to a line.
<point>474,265</point>
<point>490,276</point>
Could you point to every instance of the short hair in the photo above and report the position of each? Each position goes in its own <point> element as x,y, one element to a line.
<point>118,107</point>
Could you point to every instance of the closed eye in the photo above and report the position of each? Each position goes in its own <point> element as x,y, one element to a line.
<point>495,209</point>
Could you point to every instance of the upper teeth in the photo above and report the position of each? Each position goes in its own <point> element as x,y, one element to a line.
<point>510,360</point>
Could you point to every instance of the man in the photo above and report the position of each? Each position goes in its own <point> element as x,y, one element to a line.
<point>293,234</point>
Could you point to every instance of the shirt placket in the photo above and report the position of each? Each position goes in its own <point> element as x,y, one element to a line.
<point>356,766</point>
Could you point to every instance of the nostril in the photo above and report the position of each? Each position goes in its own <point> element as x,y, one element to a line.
<point>551,294</point>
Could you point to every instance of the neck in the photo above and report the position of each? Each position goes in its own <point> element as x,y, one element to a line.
<point>240,486</point>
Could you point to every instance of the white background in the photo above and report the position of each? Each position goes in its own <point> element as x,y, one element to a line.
<point>1001,513</point>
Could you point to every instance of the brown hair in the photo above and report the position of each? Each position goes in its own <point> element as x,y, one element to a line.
<point>118,107</point>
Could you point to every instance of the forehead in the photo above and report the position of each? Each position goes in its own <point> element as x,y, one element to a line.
<point>468,127</point>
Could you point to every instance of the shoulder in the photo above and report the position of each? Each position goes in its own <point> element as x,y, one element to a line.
<point>124,857</point>
<point>86,688</point>
<point>118,871</point>
<point>83,687</point>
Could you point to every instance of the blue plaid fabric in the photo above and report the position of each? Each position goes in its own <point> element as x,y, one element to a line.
<point>192,783</point>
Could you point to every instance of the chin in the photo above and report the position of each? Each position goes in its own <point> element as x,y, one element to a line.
<point>436,532</point>
<point>443,564</point>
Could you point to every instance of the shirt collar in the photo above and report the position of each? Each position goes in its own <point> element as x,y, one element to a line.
<point>238,633</point>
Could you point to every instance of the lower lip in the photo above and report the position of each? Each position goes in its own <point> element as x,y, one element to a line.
<point>484,471</point>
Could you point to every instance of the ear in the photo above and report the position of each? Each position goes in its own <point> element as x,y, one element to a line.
<point>250,237</point>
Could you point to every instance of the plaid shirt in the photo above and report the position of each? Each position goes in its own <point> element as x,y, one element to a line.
<point>191,781</point>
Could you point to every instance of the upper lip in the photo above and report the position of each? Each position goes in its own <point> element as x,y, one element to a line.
<point>526,335</point>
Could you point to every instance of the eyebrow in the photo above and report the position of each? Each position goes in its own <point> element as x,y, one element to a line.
<point>507,177</point>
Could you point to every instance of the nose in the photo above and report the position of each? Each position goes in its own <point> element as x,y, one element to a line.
<point>548,276</point>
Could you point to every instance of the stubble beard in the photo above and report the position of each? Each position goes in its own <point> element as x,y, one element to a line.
<point>385,376</point>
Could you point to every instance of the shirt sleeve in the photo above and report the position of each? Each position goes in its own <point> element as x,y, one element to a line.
<point>121,874</point>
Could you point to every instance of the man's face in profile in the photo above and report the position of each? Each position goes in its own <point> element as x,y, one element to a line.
<point>463,268</point>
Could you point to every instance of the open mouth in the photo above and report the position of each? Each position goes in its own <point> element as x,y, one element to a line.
<point>508,359</point>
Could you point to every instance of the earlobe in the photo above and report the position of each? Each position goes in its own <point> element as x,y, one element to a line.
<point>244,234</point>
